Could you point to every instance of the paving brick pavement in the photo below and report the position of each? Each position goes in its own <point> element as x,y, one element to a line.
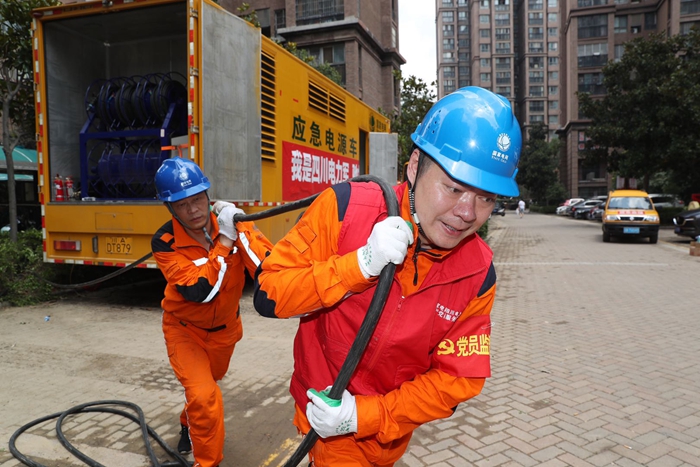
<point>595,362</point>
<point>595,355</point>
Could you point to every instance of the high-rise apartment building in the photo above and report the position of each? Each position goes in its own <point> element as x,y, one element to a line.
<point>593,33</point>
<point>359,38</point>
<point>540,53</point>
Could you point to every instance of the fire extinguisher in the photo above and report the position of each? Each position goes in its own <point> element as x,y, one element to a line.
<point>69,188</point>
<point>59,188</point>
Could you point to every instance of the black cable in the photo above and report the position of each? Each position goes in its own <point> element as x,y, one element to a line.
<point>366,328</point>
<point>90,407</point>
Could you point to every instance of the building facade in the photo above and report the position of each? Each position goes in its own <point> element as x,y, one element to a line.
<point>541,53</point>
<point>593,33</point>
<point>359,38</point>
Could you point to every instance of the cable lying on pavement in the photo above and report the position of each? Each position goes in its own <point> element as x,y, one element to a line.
<point>100,406</point>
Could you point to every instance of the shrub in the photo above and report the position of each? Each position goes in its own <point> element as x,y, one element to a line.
<point>22,269</point>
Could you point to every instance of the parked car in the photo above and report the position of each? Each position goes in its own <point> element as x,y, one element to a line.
<point>597,212</point>
<point>561,209</point>
<point>665,201</point>
<point>567,209</point>
<point>580,211</point>
<point>687,223</point>
<point>499,209</point>
<point>630,213</point>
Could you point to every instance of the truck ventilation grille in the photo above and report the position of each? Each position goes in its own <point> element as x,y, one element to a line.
<point>324,101</point>
<point>268,108</point>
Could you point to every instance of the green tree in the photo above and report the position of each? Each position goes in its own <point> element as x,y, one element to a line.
<point>538,167</point>
<point>417,98</point>
<point>16,92</point>
<point>647,122</point>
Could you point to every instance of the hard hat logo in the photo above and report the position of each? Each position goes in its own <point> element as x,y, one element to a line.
<point>183,174</point>
<point>503,142</point>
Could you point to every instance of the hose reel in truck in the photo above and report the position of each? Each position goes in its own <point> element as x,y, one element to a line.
<point>346,371</point>
<point>129,120</point>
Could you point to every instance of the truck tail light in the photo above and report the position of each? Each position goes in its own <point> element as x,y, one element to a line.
<point>66,245</point>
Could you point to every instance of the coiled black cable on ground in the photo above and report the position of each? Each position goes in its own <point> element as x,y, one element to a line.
<point>146,431</point>
<point>347,369</point>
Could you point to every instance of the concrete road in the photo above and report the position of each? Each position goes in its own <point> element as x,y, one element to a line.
<point>595,362</point>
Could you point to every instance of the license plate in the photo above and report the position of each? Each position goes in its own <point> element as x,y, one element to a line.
<point>630,230</point>
<point>118,245</point>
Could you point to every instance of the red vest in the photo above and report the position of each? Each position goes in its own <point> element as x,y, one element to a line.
<point>405,341</point>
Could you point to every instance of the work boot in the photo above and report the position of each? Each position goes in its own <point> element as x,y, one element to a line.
<point>184,446</point>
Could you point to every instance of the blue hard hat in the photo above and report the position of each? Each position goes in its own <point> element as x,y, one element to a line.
<point>178,179</point>
<point>474,136</point>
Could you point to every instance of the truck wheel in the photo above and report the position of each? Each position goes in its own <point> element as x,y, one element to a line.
<point>606,237</point>
<point>654,238</point>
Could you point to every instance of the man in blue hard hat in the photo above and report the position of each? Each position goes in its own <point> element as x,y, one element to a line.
<point>204,259</point>
<point>430,349</point>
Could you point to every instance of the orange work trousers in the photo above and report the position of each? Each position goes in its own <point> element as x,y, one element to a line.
<point>347,451</point>
<point>199,359</point>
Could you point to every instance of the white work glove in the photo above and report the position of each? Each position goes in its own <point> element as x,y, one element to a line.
<point>227,227</point>
<point>220,205</point>
<point>331,417</point>
<point>387,243</point>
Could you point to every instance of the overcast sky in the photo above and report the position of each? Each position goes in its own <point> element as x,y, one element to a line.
<point>417,38</point>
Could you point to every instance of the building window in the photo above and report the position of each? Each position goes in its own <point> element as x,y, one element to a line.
<point>535,4</point>
<point>553,76</point>
<point>280,19</point>
<point>536,118</point>
<point>485,77</point>
<point>463,56</point>
<point>502,34</point>
<point>535,47</point>
<point>463,82</point>
<point>448,56</point>
<point>592,54</point>
<point>650,21</point>
<point>448,72</point>
<point>552,3</point>
<point>552,17</point>
<point>485,63</point>
<point>449,83</point>
<point>536,91</point>
<point>553,61</point>
<point>502,5</point>
<point>463,29</point>
<point>503,63</point>
<point>553,32</point>
<point>333,54</point>
<point>591,83</point>
<point>536,106</point>
<point>689,7</point>
<point>448,16</point>
<point>503,77</point>
<point>502,47</point>
<point>484,19</point>
<point>448,30</point>
<point>553,119</point>
<point>462,16</point>
<point>553,90</point>
<point>535,33</point>
<point>536,77</point>
<point>535,62</point>
<point>620,24</point>
<point>553,105</point>
<point>686,27</point>
<point>535,18</point>
<point>484,3</point>
<point>462,43</point>
<point>314,11</point>
<point>463,71</point>
<point>552,46</point>
<point>448,44</point>
<point>484,33</point>
<point>592,26</point>
<point>503,91</point>
<point>585,3</point>
<point>484,48</point>
<point>502,19</point>
<point>447,3</point>
<point>461,2</point>
<point>619,51</point>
